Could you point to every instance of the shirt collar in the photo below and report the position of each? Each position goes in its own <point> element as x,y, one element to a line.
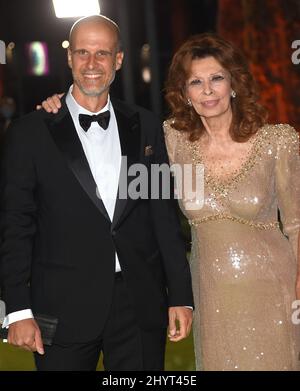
<point>76,109</point>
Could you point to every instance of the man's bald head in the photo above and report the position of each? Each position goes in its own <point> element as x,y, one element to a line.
<point>96,20</point>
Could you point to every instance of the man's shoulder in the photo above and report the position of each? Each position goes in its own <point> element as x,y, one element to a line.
<point>34,117</point>
<point>130,108</point>
<point>28,126</point>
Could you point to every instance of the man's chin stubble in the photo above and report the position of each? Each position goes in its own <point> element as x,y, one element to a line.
<point>94,93</point>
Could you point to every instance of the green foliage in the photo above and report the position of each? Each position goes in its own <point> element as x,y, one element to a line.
<point>179,357</point>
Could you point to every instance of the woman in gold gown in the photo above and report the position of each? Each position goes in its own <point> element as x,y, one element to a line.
<point>244,264</point>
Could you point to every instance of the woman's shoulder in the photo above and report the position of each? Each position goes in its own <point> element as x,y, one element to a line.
<point>168,126</point>
<point>170,130</point>
<point>280,132</point>
<point>278,137</point>
<point>173,138</point>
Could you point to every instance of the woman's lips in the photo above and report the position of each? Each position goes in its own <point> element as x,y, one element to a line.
<point>210,103</point>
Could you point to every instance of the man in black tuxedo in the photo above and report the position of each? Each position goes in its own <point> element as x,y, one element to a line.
<point>112,269</point>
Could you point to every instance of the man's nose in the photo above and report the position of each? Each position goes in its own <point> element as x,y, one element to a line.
<point>92,61</point>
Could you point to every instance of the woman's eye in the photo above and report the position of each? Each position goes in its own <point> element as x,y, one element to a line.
<point>218,78</point>
<point>195,82</point>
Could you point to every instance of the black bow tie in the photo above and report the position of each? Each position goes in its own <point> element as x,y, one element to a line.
<point>85,120</point>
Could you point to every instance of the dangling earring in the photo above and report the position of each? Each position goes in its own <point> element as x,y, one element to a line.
<point>233,94</point>
<point>189,102</point>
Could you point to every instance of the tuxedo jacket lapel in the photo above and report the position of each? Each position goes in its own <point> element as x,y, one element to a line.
<point>65,136</point>
<point>128,122</point>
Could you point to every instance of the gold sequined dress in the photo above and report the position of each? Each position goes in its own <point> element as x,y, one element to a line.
<point>243,266</point>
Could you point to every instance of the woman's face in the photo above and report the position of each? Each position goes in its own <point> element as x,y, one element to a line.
<point>209,87</point>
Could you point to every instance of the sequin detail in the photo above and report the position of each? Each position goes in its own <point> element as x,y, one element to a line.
<point>250,223</point>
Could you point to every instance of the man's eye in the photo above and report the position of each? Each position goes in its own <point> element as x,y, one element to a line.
<point>82,52</point>
<point>102,53</point>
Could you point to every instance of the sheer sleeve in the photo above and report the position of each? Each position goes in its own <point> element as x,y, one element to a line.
<point>171,140</point>
<point>288,182</point>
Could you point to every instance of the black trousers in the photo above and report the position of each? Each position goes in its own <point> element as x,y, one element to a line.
<point>124,345</point>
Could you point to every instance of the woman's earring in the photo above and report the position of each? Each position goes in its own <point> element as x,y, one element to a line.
<point>189,102</point>
<point>233,94</point>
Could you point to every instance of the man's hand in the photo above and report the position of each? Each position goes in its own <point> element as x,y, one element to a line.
<point>52,104</point>
<point>26,334</point>
<point>184,316</point>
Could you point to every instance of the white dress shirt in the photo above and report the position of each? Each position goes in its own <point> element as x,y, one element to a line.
<point>103,152</point>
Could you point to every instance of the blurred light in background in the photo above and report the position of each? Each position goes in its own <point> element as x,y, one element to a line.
<point>65,44</point>
<point>146,74</point>
<point>145,53</point>
<point>11,46</point>
<point>145,57</point>
<point>2,52</point>
<point>9,51</point>
<point>38,62</point>
<point>75,8</point>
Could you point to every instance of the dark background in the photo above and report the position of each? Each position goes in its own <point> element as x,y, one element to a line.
<point>264,30</point>
<point>35,20</point>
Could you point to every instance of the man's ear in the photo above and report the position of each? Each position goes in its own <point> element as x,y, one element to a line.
<point>119,60</point>
<point>69,58</point>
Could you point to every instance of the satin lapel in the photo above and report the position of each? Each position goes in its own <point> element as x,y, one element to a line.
<point>65,136</point>
<point>130,140</point>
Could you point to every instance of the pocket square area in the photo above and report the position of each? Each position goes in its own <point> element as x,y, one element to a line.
<point>148,150</point>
